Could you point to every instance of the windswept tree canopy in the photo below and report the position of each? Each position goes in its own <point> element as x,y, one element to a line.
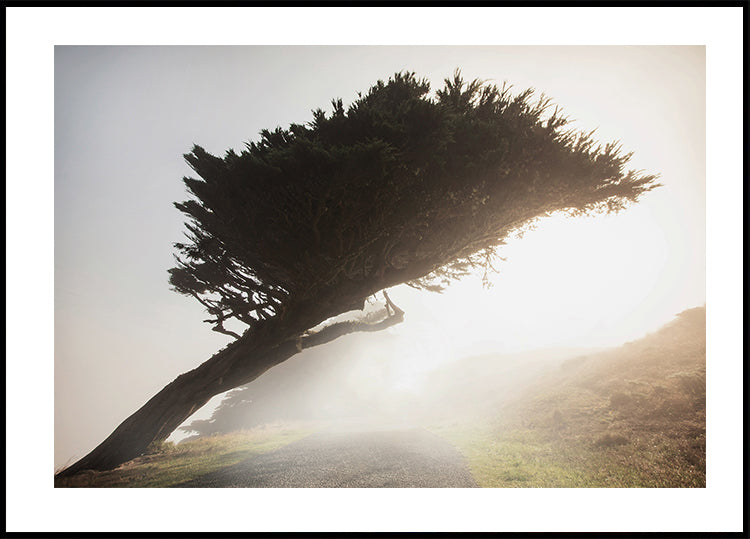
<point>400,187</point>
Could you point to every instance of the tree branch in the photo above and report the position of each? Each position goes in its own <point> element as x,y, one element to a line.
<point>390,305</point>
<point>339,329</point>
<point>220,329</point>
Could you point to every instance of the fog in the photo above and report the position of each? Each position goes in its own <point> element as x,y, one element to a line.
<point>125,115</point>
<point>373,381</point>
<point>105,333</point>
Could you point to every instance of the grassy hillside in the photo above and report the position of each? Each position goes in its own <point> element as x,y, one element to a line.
<point>629,417</point>
<point>478,386</point>
<point>168,464</point>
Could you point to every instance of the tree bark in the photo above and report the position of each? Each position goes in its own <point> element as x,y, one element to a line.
<point>239,363</point>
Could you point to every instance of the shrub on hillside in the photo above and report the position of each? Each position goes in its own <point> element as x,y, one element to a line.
<point>620,400</point>
<point>691,383</point>
<point>610,439</point>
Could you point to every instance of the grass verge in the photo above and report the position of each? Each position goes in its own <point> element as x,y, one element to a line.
<point>530,459</point>
<point>168,464</point>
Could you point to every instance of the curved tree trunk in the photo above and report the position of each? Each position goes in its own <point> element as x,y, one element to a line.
<point>239,363</point>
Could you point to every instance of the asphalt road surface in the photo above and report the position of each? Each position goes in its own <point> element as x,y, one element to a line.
<point>393,458</point>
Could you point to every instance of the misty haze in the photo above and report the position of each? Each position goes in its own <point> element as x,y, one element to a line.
<point>439,267</point>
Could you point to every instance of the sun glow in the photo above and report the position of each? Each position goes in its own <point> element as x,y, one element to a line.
<point>571,282</point>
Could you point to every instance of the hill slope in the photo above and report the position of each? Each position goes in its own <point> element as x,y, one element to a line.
<point>629,417</point>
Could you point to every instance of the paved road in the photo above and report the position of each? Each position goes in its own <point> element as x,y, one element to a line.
<point>394,458</point>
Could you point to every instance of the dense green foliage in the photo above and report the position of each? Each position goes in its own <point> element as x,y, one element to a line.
<point>400,187</point>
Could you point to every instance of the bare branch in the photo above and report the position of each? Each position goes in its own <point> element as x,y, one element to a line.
<point>339,329</point>
<point>220,329</point>
<point>390,305</point>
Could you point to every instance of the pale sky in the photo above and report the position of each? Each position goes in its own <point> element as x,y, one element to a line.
<point>123,117</point>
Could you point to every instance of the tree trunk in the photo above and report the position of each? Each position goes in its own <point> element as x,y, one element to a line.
<point>241,362</point>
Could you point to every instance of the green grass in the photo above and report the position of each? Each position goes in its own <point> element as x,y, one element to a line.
<point>631,417</point>
<point>167,465</point>
<point>530,459</point>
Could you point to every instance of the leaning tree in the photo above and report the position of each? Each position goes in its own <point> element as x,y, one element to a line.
<point>400,187</point>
